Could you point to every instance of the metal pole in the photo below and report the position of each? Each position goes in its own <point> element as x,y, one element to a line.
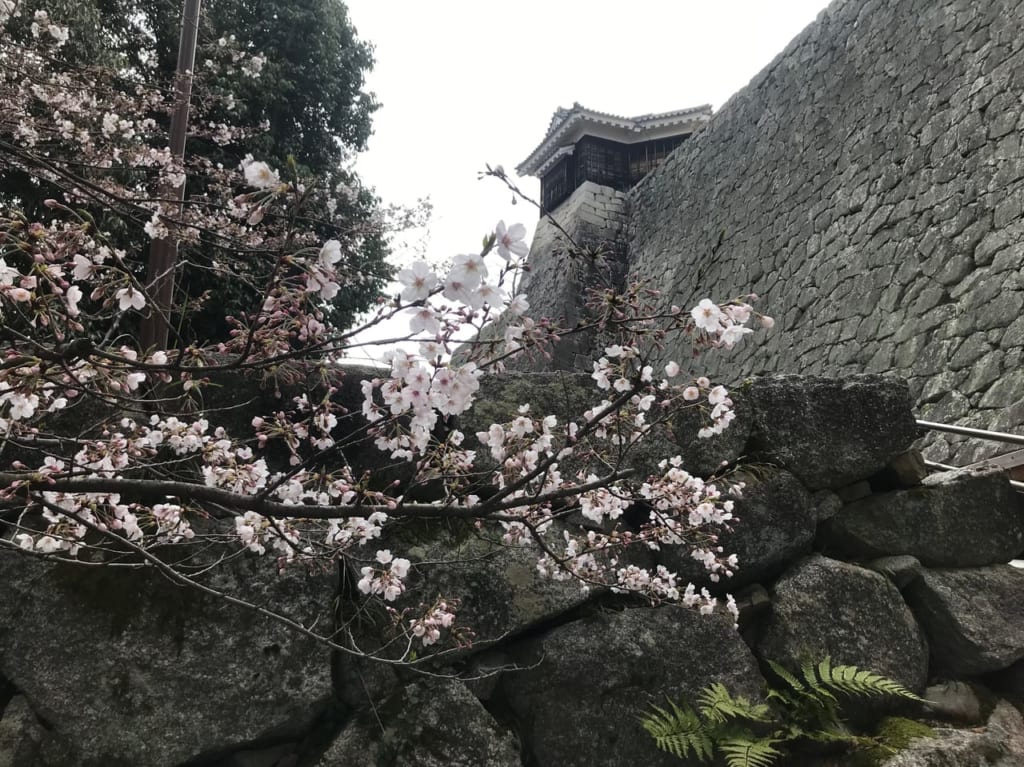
<point>995,436</point>
<point>163,253</point>
<point>1018,486</point>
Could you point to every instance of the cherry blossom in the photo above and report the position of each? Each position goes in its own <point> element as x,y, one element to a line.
<point>511,241</point>
<point>419,281</point>
<point>468,269</point>
<point>707,316</point>
<point>130,298</point>
<point>276,483</point>
<point>260,175</point>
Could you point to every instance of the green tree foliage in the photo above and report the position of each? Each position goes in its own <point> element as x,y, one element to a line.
<point>312,89</point>
<point>310,104</point>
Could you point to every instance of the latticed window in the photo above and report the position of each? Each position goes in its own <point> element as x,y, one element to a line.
<point>603,162</point>
<point>558,183</point>
<point>645,157</point>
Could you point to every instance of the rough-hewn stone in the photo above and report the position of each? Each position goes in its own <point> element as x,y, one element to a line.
<point>594,676</point>
<point>829,432</point>
<point>1000,743</point>
<point>857,617</point>
<point>106,656</point>
<point>501,591</point>
<point>960,518</point>
<point>20,734</point>
<point>900,569</point>
<point>974,618</point>
<point>432,723</point>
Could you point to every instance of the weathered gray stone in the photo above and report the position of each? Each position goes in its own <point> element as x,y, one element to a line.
<point>974,618</point>
<point>20,734</point>
<point>562,394</point>
<point>826,504</point>
<point>854,492</point>
<point>104,655</point>
<point>501,592</point>
<point>1005,391</point>
<point>954,700</point>
<point>999,744</point>
<point>857,617</point>
<point>900,569</point>
<point>959,518</point>
<point>431,723</point>
<point>867,420</point>
<point>484,671</point>
<point>595,676</point>
<point>775,523</point>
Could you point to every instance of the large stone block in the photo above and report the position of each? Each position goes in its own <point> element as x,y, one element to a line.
<point>775,523</point>
<point>974,617</point>
<point>129,669</point>
<point>501,592</point>
<point>430,723</point>
<point>830,432</point>
<point>960,518</point>
<point>857,617</point>
<point>584,684</point>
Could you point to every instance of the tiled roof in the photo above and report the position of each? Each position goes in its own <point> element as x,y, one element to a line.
<point>564,120</point>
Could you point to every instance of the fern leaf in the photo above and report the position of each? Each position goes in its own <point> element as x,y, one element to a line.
<point>783,673</point>
<point>811,676</point>
<point>853,681</point>
<point>678,732</point>
<point>718,706</point>
<point>749,753</point>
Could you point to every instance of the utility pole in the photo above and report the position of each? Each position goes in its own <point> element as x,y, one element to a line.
<point>163,253</point>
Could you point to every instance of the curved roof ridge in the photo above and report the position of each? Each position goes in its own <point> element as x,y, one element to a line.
<point>564,119</point>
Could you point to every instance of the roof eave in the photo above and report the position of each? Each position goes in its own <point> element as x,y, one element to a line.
<point>540,159</point>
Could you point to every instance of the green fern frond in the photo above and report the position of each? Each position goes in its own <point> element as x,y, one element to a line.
<point>783,673</point>
<point>741,752</point>
<point>851,680</point>
<point>804,707</point>
<point>678,732</point>
<point>718,706</point>
<point>814,683</point>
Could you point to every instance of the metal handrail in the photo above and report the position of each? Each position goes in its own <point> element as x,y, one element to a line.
<point>946,467</point>
<point>993,436</point>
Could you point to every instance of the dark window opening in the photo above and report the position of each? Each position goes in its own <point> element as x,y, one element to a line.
<point>604,162</point>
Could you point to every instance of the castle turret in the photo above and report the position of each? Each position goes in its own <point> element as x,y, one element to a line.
<point>584,145</point>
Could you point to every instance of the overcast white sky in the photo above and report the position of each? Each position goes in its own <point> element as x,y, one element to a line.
<point>464,83</point>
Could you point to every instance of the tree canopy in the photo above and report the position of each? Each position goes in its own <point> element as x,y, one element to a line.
<point>308,105</point>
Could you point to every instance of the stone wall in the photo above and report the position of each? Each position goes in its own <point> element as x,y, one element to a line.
<point>869,185</point>
<point>594,217</point>
<point>846,550</point>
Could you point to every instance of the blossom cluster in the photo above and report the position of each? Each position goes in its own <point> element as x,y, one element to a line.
<point>160,467</point>
<point>428,627</point>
